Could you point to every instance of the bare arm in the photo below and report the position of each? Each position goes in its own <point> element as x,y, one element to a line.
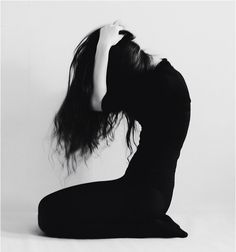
<point>99,75</point>
<point>109,36</point>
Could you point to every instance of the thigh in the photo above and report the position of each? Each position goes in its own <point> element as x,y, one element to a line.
<point>102,200</point>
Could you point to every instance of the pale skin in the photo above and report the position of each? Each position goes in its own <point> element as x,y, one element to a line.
<point>109,36</point>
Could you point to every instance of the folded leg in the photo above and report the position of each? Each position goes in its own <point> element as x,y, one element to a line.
<point>102,205</point>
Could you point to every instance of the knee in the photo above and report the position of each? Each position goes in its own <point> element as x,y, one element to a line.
<point>43,215</point>
<point>47,214</point>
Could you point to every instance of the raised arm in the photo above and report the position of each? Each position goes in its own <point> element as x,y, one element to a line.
<point>99,75</point>
<point>109,36</point>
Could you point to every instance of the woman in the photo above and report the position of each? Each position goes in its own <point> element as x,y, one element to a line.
<point>110,75</point>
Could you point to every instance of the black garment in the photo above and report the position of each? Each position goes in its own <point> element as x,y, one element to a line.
<point>134,205</point>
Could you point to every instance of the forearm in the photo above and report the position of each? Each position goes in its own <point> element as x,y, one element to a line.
<point>99,75</point>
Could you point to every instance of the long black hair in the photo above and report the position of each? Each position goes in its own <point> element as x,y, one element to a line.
<point>76,127</point>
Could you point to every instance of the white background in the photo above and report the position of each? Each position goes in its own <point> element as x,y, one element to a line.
<point>38,39</point>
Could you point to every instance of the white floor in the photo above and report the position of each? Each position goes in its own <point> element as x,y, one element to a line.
<point>209,231</point>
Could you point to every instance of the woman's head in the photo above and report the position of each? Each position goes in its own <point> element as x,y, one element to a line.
<point>77,128</point>
<point>127,56</point>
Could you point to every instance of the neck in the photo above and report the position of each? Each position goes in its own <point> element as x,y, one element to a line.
<point>156,59</point>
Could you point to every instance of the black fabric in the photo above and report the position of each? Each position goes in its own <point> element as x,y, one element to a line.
<point>134,205</point>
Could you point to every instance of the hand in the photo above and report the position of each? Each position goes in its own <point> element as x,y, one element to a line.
<point>109,34</point>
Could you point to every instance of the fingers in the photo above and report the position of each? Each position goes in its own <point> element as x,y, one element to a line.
<point>118,24</point>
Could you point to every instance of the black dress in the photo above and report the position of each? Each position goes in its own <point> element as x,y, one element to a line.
<point>134,205</point>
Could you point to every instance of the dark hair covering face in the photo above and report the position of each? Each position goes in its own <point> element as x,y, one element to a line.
<point>78,129</point>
